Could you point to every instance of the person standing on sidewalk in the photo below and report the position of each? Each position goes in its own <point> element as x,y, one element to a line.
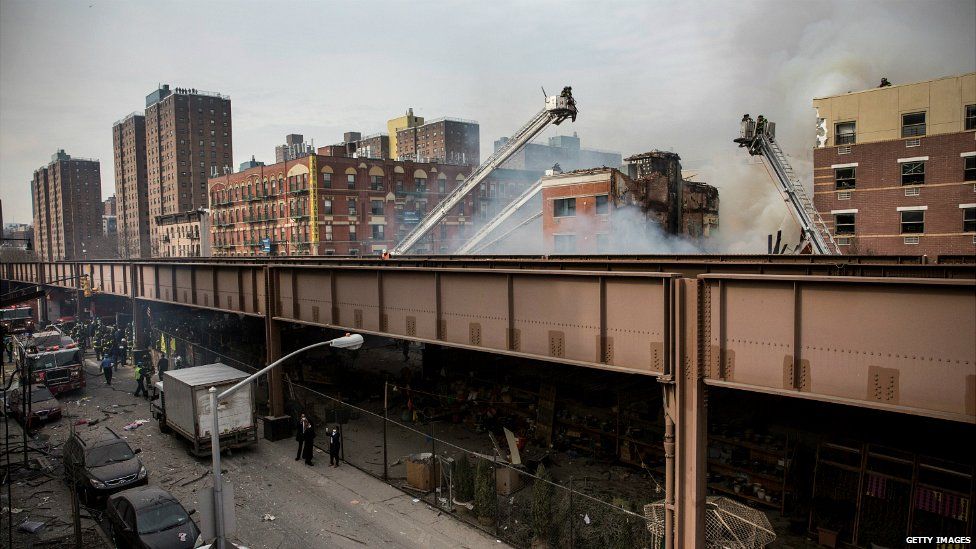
<point>162,365</point>
<point>107,370</point>
<point>334,445</point>
<point>303,425</point>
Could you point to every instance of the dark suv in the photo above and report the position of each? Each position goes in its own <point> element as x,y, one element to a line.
<point>98,462</point>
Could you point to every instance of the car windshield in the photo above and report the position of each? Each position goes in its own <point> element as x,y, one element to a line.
<point>112,453</point>
<point>161,517</point>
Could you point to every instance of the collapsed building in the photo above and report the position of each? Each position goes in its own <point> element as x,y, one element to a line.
<point>604,210</point>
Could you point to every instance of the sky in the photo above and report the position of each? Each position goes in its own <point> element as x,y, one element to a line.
<point>646,75</point>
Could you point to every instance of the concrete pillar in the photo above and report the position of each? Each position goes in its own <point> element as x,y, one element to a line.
<point>691,427</point>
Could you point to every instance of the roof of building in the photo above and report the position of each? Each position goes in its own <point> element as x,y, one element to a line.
<point>891,86</point>
<point>652,154</point>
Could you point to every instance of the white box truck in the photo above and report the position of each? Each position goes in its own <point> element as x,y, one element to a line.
<point>181,403</point>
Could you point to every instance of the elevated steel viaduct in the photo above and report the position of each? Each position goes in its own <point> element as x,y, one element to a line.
<point>894,333</point>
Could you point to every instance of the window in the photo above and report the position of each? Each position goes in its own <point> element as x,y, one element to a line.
<point>969,171</point>
<point>846,133</point>
<point>461,208</point>
<point>376,207</point>
<point>844,224</point>
<point>565,243</point>
<point>913,222</point>
<point>913,124</point>
<point>844,178</point>
<point>969,220</point>
<point>377,232</point>
<point>352,206</point>
<point>327,180</point>
<point>352,232</point>
<point>443,232</point>
<point>376,182</point>
<point>441,186</point>
<point>564,207</point>
<point>602,204</point>
<point>351,180</point>
<point>327,206</point>
<point>912,173</point>
<point>970,117</point>
<point>421,184</point>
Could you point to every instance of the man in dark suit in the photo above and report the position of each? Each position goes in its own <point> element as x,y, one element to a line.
<point>305,437</point>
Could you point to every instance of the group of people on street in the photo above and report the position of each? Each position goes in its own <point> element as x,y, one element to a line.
<point>305,436</point>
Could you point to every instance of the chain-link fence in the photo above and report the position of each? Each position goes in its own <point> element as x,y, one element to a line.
<point>513,503</point>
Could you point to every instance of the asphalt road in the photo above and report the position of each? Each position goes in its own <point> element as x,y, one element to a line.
<point>314,506</point>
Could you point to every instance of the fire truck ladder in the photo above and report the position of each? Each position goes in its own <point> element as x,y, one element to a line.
<point>472,245</point>
<point>557,108</point>
<point>760,138</point>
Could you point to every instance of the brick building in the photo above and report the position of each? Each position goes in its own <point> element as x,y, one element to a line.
<point>603,210</point>
<point>325,205</point>
<point>895,168</point>
<point>67,202</point>
<point>185,234</point>
<point>131,186</point>
<point>444,141</point>
<point>189,138</point>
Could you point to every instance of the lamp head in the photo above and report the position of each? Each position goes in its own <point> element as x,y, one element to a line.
<point>351,342</point>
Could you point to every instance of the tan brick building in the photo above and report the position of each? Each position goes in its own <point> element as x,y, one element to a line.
<point>445,141</point>
<point>895,168</point>
<point>131,186</point>
<point>189,139</point>
<point>67,201</point>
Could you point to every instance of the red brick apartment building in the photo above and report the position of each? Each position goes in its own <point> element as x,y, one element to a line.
<point>895,168</point>
<point>334,205</point>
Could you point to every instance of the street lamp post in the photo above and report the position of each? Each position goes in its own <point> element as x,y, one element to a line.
<point>348,341</point>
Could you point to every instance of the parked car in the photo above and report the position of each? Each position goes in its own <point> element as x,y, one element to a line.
<point>99,463</point>
<point>150,518</point>
<point>43,406</point>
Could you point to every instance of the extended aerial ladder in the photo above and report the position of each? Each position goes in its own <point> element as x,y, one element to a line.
<point>557,109</point>
<point>759,137</point>
<point>473,245</point>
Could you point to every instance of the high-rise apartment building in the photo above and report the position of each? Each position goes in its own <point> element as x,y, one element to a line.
<point>408,120</point>
<point>189,139</point>
<point>895,167</point>
<point>565,150</point>
<point>294,147</point>
<point>131,186</point>
<point>444,141</point>
<point>67,198</point>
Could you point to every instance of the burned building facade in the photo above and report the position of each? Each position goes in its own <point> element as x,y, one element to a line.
<point>603,210</point>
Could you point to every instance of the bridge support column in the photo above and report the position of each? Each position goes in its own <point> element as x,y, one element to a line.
<point>691,424</point>
<point>277,425</point>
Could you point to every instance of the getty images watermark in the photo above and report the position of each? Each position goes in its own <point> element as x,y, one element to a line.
<point>938,539</point>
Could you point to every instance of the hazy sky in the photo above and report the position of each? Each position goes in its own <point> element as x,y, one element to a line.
<point>646,75</point>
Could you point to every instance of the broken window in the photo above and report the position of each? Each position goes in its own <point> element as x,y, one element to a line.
<point>602,204</point>
<point>913,222</point>
<point>565,243</point>
<point>969,171</point>
<point>912,173</point>
<point>846,133</point>
<point>564,207</point>
<point>969,220</point>
<point>844,224</point>
<point>913,124</point>
<point>845,178</point>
